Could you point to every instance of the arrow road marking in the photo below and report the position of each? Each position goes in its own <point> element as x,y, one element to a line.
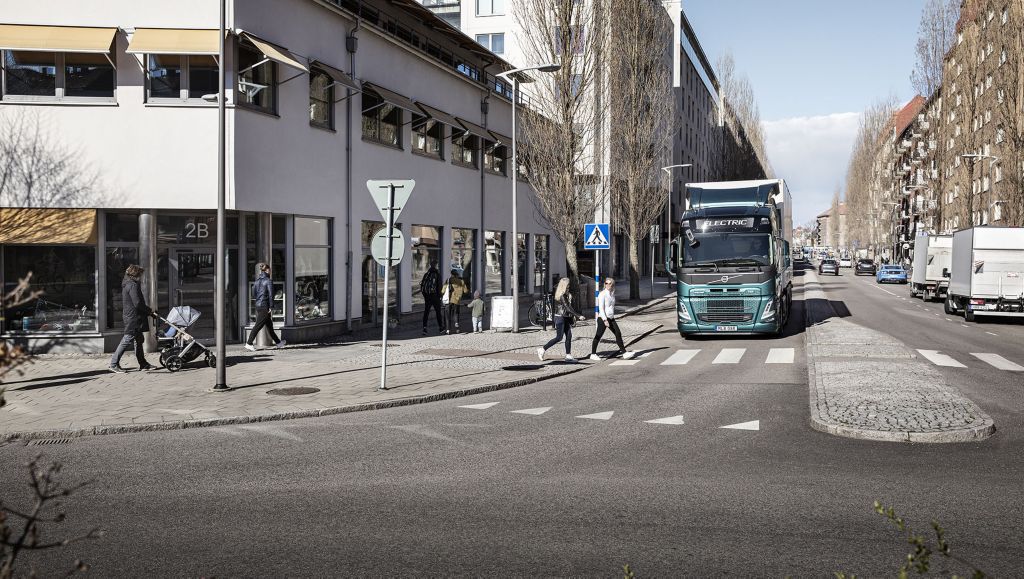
<point>999,362</point>
<point>780,356</point>
<point>599,415</point>
<point>729,356</point>
<point>670,420</point>
<point>680,357</point>
<point>752,425</point>
<point>483,406</point>
<point>938,359</point>
<point>532,411</point>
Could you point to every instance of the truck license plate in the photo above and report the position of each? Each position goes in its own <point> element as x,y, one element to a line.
<point>725,328</point>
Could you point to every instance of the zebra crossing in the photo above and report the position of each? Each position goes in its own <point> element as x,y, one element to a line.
<point>948,361</point>
<point>607,415</point>
<point>682,357</point>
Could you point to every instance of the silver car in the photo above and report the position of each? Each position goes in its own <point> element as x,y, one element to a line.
<point>828,266</point>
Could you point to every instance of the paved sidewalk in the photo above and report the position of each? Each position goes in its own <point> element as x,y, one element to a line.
<point>74,396</point>
<point>866,384</point>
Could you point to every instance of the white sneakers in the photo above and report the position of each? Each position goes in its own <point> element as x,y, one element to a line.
<point>281,344</point>
<point>540,354</point>
<point>595,357</point>
<point>570,359</point>
<point>250,347</point>
<point>627,355</point>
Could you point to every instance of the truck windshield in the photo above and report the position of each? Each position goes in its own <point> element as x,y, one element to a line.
<point>727,249</point>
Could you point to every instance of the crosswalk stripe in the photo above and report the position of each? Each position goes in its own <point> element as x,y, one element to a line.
<point>938,359</point>
<point>670,420</point>
<point>729,356</point>
<point>999,362</point>
<point>483,406</point>
<point>680,357</point>
<point>780,356</point>
<point>533,411</point>
<point>624,362</point>
<point>599,415</point>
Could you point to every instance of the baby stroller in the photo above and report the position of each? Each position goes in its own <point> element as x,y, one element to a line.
<point>177,346</point>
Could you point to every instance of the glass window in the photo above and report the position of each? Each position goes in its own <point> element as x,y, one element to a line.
<point>427,136</point>
<point>122,227</point>
<point>312,268</point>
<point>202,76</point>
<point>256,84</point>
<point>464,146</point>
<point>278,262</point>
<point>490,7</point>
<point>88,75</point>
<point>175,76</point>
<point>426,249</point>
<point>67,277</point>
<point>30,73</point>
<point>381,120</point>
<point>540,263</point>
<point>373,276</point>
<point>311,231</point>
<point>521,267</point>
<point>463,254</point>
<point>194,229</point>
<point>493,42</point>
<point>494,262</point>
<point>495,156</point>
<point>165,76</point>
<point>118,260</point>
<point>321,99</point>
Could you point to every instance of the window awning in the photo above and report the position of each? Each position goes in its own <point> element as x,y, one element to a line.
<point>338,76</point>
<point>438,115</point>
<point>506,141</point>
<point>63,226</point>
<point>56,38</point>
<point>475,129</point>
<point>392,97</point>
<point>173,41</point>
<point>274,52</point>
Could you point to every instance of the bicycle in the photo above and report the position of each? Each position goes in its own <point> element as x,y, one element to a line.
<point>541,312</point>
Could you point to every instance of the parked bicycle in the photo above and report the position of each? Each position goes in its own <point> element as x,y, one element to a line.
<point>542,312</point>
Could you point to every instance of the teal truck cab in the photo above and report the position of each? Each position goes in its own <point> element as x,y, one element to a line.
<point>732,263</point>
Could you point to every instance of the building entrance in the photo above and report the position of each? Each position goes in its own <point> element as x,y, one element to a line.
<point>190,282</point>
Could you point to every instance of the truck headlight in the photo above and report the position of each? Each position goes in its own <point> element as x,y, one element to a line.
<point>769,311</point>
<point>684,314</point>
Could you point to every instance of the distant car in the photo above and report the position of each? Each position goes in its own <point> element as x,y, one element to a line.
<point>865,266</point>
<point>891,274</point>
<point>845,262</point>
<point>828,266</point>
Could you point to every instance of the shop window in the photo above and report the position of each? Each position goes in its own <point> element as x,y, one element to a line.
<point>381,120</point>
<point>373,276</point>
<point>494,262</point>
<point>193,229</point>
<point>257,80</point>
<point>427,136</point>
<point>122,227</point>
<point>181,77</point>
<point>66,275</point>
<point>495,157</point>
<point>321,99</point>
<point>540,263</point>
<point>118,260</point>
<point>426,249</point>
<point>58,75</point>
<point>463,255</point>
<point>521,255</point>
<point>464,148</point>
<point>312,268</point>
<point>278,262</point>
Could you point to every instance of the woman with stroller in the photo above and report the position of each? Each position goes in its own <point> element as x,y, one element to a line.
<point>565,315</point>
<point>135,315</point>
<point>263,293</point>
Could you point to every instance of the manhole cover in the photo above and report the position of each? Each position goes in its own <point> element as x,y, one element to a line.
<point>295,391</point>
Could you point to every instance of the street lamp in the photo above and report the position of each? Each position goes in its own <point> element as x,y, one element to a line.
<point>550,67</point>
<point>668,207</point>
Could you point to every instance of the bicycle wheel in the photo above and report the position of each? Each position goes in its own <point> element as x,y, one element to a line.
<point>536,316</point>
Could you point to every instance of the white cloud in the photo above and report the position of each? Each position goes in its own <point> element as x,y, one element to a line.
<point>811,154</point>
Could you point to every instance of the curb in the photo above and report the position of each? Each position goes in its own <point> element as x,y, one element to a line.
<point>829,427</point>
<point>311,413</point>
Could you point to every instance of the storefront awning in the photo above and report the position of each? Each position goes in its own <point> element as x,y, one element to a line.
<point>337,76</point>
<point>475,129</point>
<point>173,41</point>
<point>53,226</point>
<point>506,141</point>
<point>392,97</point>
<point>274,52</point>
<point>438,115</point>
<point>56,38</point>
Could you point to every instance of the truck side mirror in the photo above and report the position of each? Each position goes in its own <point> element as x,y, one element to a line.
<point>945,272</point>
<point>671,259</point>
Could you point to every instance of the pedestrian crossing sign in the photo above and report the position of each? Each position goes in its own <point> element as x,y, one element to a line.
<point>595,236</point>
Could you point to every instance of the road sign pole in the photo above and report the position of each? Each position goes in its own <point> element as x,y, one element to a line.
<point>597,279</point>
<point>387,283</point>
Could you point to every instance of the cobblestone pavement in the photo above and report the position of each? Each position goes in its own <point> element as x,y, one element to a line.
<point>866,384</point>
<point>70,396</point>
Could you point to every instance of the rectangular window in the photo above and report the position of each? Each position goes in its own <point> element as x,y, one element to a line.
<point>464,147</point>
<point>257,80</point>
<point>373,276</point>
<point>321,99</point>
<point>490,7</point>
<point>202,76</point>
<point>426,249</point>
<point>427,136</point>
<point>67,277</point>
<point>494,263</point>
<point>381,120</point>
<point>57,75</point>
<point>278,264</point>
<point>88,75</point>
<point>494,42</point>
<point>495,157</point>
<point>540,263</point>
<point>30,73</point>
<point>464,254</point>
<point>312,268</point>
<point>180,77</point>
<point>165,76</point>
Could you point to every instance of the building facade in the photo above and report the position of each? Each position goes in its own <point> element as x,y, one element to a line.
<point>118,103</point>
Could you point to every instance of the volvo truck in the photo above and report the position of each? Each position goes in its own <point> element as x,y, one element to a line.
<point>731,262</point>
<point>933,254</point>
<point>987,277</point>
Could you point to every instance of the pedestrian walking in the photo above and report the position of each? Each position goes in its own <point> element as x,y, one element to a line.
<point>430,289</point>
<point>606,320</point>
<point>263,294</point>
<point>476,310</point>
<point>565,317</point>
<point>135,315</point>
<point>451,295</point>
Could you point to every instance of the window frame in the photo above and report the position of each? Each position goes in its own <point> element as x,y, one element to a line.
<point>59,81</point>
<point>492,11</point>
<point>186,83</point>
<point>379,120</point>
<point>328,103</point>
<point>327,316</point>
<point>420,130</point>
<point>459,148</point>
<point>490,41</point>
<point>239,98</point>
<point>490,148</point>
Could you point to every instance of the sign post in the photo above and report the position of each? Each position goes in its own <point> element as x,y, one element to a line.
<point>390,197</point>
<point>654,236</point>
<point>595,236</point>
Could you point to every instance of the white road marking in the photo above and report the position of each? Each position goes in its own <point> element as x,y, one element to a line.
<point>680,357</point>
<point>483,406</point>
<point>752,425</point>
<point>999,362</point>
<point>991,334</point>
<point>965,325</point>
<point>670,420</point>
<point>729,356</point>
<point>938,359</point>
<point>599,415</point>
<point>780,356</point>
<point>533,411</point>
<point>624,362</point>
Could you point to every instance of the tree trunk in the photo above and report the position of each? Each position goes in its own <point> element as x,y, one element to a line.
<point>634,269</point>
<point>572,260</point>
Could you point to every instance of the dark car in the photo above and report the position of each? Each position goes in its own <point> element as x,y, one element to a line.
<point>828,266</point>
<point>865,266</point>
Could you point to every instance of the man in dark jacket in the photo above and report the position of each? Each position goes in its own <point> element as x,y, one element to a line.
<point>430,287</point>
<point>263,293</point>
<point>135,315</point>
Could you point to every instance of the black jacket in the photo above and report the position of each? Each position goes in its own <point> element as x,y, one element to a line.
<point>563,307</point>
<point>263,290</point>
<point>135,313</point>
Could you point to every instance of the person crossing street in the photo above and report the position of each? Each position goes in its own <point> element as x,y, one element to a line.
<point>606,320</point>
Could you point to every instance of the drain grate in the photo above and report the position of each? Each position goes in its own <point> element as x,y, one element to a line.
<point>294,391</point>
<point>39,441</point>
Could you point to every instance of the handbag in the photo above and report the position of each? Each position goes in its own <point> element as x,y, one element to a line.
<point>446,295</point>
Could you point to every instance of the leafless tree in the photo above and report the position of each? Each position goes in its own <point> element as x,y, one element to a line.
<point>641,109</point>
<point>834,221</point>
<point>37,171</point>
<point>864,173</point>
<point>935,36</point>
<point>1010,99</point>
<point>743,149</point>
<point>564,153</point>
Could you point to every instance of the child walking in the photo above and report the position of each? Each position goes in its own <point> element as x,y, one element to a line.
<point>476,309</point>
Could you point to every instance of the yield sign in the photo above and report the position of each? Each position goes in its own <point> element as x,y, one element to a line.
<point>379,190</point>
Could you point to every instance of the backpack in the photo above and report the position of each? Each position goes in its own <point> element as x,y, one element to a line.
<point>428,286</point>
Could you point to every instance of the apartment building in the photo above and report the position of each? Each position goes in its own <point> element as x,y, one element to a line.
<point>116,101</point>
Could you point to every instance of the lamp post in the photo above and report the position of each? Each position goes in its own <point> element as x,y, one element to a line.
<point>550,67</point>
<point>220,277</point>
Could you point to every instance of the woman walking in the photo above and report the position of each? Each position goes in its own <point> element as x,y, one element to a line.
<point>565,315</point>
<point>135,315</point>
<point>263,293</point>
<point>454,289</point>
<point>606,319</point>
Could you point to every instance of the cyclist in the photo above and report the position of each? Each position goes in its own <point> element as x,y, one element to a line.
<point>565,315</point>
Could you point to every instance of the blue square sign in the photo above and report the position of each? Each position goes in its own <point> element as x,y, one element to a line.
<point>595,236</point>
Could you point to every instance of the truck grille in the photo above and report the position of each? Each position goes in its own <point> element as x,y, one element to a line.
<point>719,310</point>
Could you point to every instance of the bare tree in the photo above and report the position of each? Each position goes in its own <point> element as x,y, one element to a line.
<point>564,153</point>
<point>935,36</point>
<point>834,221</point>
<point>743,149</point>
<point>641,109</point>
<point>1010,99</point>
<point>864,174</point>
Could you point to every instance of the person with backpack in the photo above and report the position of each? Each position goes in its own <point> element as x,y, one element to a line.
<point>451,295</point>
<point>430,289</point>
<point>263,293</point>
<point>565,317</point>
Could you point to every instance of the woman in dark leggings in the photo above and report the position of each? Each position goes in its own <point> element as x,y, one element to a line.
<point>564,316</point>
<point>606,319</point>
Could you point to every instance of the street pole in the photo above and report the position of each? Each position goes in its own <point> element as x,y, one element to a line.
<point>220,277</point>
<point>387,282</point>
<point>515,213</point>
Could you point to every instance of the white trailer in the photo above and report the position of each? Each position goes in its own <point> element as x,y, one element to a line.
<point>987,277</point>
<point>932,255</point>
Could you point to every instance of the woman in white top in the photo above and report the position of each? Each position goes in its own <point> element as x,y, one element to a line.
<point>606,319</point>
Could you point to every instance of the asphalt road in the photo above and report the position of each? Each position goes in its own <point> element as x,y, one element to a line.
<point>438,489</point>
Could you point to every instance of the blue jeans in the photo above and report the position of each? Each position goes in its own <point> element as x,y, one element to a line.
<point>563,325</point>
<point>126,340</point>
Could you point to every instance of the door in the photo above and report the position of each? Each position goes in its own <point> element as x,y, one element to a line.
<point>191,283</point>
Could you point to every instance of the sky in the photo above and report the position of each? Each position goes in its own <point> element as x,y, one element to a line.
<point>814,65</point>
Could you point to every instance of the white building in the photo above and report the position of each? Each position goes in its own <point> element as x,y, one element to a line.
<point>114,89</point>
